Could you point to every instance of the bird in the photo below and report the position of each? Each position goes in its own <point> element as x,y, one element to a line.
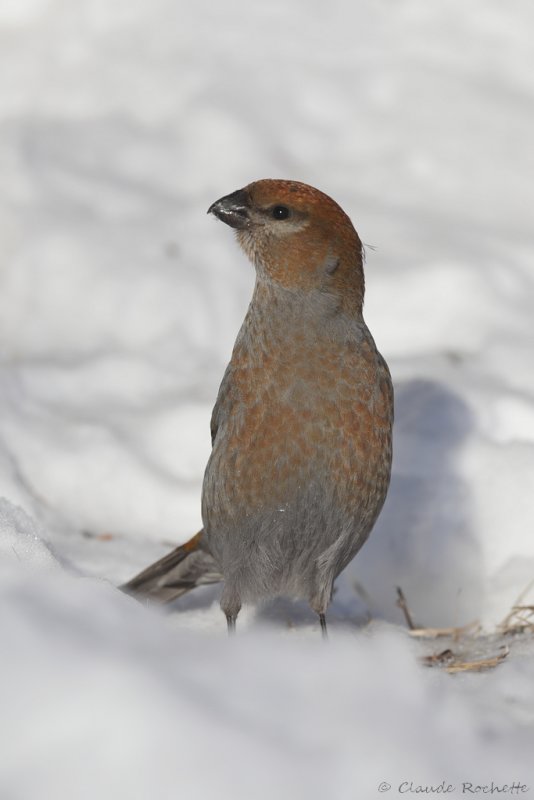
<point>302,426</point>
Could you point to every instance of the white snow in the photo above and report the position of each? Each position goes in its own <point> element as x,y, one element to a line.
<point>119,302</point>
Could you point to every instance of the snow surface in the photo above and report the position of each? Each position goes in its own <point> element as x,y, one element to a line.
<point>119,303</point>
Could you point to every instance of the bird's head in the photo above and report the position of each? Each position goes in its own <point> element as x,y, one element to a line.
<point>298,237</point>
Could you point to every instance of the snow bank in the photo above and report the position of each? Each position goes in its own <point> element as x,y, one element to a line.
<point>102,698</point>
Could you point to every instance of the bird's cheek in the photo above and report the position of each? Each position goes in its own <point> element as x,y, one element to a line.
<point>250,244</point>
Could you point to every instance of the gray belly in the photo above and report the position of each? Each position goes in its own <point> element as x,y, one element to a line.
<point>293,547</point>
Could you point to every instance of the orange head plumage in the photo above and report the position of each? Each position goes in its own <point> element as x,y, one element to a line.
<point>298,237</point>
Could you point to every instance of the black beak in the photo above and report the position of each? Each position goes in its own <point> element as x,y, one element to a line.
<point>233,209</point>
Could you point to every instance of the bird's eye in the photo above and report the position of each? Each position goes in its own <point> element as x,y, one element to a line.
<point>280,212</point>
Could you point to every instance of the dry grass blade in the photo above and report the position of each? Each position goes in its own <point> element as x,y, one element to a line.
<point>472,628</point>
<point>520,625</point>
<point>514,620</point>
<point>478,666</point>
<point>451,663</point>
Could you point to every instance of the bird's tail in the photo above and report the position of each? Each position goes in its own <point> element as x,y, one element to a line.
<point>187,566</point>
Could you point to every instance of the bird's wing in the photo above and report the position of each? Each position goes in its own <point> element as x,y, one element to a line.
<point>222,402</point>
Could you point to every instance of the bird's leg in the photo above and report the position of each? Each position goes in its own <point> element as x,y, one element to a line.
<point>322,620</point>
<point>230,621</point>
<point>230,605</point>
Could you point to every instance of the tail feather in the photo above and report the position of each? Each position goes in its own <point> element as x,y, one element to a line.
<point>184,568</point>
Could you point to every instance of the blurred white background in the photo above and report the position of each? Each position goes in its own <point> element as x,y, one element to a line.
<point>120,122</point>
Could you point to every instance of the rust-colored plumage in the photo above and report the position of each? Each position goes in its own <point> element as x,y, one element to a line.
<point>301,428</point>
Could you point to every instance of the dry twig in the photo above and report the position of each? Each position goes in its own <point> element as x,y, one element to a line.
<point>403,605</point>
